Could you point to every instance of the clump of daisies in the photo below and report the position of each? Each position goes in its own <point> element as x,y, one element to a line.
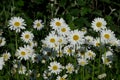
<point>64,52</point>
<point>62,42</point>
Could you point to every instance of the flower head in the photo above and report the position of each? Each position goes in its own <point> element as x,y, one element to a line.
<point>37,24</point>
<point>16,23</point>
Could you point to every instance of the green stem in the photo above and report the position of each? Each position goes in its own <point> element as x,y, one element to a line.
<point>93,71</point>
<point>83,73</point>
<point>16,43</point>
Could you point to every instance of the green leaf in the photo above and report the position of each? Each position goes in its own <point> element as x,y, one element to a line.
<point>84,11</point>
<point>20,3</point>
<point>74,12</point>
<point>63,3</point>
<point>81,2</point>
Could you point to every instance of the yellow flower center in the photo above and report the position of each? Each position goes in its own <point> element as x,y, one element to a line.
<point>27,36</point>
<point>23,53</point>
<point>83,63</point>
<point>97,44</point>
<point>0,41</point>
<point>58,24</point>
<point>63,29</point>
<point>107,60</point>
<point>90,54</point>
<point>5,56</point>
<point>75,37</point>
<point>52,40</point>
<point>69,69</point>
<point>60,53</point>
<point>99,24</point>
<point>107,36</point>
<point>69,51</point>
<point>38,24</point>
<point>62,78</point>
<point>55,67</point>
<point>60,40</point>
<point>17,24</point>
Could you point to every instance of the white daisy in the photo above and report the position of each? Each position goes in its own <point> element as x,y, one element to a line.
<point>22,53</point>
<point>27,36</point>
<point>56,23</point>
<point>62,40</point>
<point>46,74</point>
<point>64,30</point>
<point>62,78</point>
<point>89,39</point>
<point>114,42</point>
<point>30,50</point>
<point>38,24</point>
<point>70,68</point>
<point>6,56</point>
<point>55,67</point>
<point>107,36</point>
<point>98,24</point>
<point>76,37</point>
<point>22,69</point>
<point>90,54</point>
<point>2,41</point>
<point>101,76</point>
<point>51,40</point>
<point>33,43</point>
<point>107,57</point>
<point>82,62</point>
<point>1,63</point>
<point>68,50</point>
<point>96,42</point>
<point>16,23</point>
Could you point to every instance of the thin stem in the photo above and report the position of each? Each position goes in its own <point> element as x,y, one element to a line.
<point>16,43</point>
<point>93,71</point>
<point>83,73</point>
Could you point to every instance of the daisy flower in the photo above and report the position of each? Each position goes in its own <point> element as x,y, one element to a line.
<point>16,23</point>
<point>46,74</point>
<point>2,41</point>
<point>22,69</point>
<point>1,62</point>
<point>82,62</point>
<point>98,24</point>
<point>76,37</point>
<point>115,42</point>
<point>62,40</point>
<point>70,68</point>
<point>62,78</point>
<point>6,56</point>
<point>107,36</point>
<point>33,43</point>
<point>55,67</point>
<point>37,24</point>
<point>22,53</point>
<point>101,76</point>
<point>51,40</point>
<point>96,42</point>
<point>68,50</point>
<point>64,30</point>
<point>27,36</point>
<point>89,39</point>
<point>90,54</point>
<point>56,23</point>
<point>107,57</point>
